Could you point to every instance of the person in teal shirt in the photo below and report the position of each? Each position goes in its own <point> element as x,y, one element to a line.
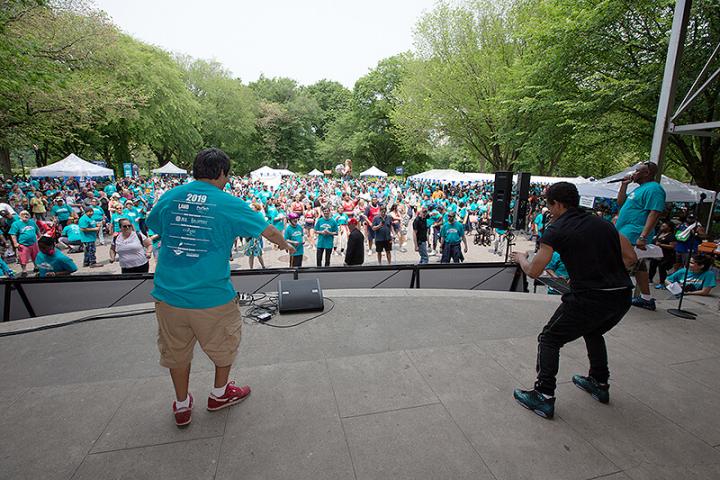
<point>452,234</point>
<point>61,211</point>
<point>639,212</point>
<point>88,234</point>
<point>52,262</point>
<point>294,236</point>
<point>343,231</point>
<point>132,214</point>
<point>99,217</point>
<point>71,236</point>
<point>6,270</point>
<point>700,279</point>
<point>196,301</point>
<point>24,234</point>
<point>326,229</point>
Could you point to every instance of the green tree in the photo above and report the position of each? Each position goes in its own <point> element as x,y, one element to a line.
<point>604,62</point>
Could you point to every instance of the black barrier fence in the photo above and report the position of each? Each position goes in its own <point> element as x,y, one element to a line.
<point>33,297</point>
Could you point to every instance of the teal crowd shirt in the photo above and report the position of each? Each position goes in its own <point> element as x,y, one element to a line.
<point>325,241</point>
<point>57,262</point>
<point>452,232</point>
<point>72,232</point>
<point>87,222</point>
<point>296,235</point>
<point>198,224</point>
<point>640,202</point>
<point>61,212</point>
<point>695,281</point>
<point>26,232</point>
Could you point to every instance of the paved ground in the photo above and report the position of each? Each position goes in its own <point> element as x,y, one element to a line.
<point>403,384</point>
<point>275,258</point>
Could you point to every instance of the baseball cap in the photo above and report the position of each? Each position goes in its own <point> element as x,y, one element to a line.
<point>353,221</point>
<point>293,215</point>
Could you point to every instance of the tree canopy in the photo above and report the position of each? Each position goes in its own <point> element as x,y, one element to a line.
<point>555,87</point>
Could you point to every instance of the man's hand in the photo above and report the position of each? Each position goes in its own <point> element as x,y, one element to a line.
<point>641,243</point>
<point>465,251</point>
<point>417,249</point>
<point>515,256</point>
<point>290,249</point>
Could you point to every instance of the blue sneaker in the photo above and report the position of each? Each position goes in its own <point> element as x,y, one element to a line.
<point>535,401</point>
<point>659,286</point>
<point>601,393</point>
<point>642,303</point>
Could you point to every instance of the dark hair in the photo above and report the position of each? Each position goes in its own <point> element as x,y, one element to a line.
<point>652,168</point>
<point>211,163</point>
<point>703,260</point>
<point>563,192</point>
<point>46,241</point>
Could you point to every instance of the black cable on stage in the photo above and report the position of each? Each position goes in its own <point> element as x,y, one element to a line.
<point>91,318</point>
<point>264,304</point>
<point>259,308</point>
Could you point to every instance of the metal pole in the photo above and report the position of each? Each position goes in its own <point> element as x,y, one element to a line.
<point>669,85</point>
<point>712,210</point>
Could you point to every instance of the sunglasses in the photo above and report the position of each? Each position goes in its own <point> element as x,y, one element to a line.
<point>125,226</point>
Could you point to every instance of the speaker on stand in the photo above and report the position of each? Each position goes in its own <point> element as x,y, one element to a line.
<point>521,205</point>
<point>502,195</point>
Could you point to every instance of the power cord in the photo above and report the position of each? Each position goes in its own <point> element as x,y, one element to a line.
<point>262,307</point>
<point>91,318</point>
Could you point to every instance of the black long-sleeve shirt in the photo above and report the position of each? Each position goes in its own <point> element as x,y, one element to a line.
<point>355,251</point>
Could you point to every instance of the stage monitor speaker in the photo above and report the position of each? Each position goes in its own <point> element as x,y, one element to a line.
<point>300,296</point>
<point>521,205</point>
<point>502,194</point>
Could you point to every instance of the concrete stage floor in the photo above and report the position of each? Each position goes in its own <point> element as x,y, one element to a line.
<point>408,384</point>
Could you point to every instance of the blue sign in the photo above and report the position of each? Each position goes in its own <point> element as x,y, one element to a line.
<point>128,170</point>
<point>399,170</point>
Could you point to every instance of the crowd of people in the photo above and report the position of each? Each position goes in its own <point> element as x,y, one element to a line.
<point>345,220</point>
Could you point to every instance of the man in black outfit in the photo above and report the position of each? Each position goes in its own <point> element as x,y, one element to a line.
<point>355,250</point>
<point>420,232</point>
<point>597,258</point>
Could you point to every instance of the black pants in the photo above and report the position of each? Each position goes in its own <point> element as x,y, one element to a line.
<point>296,261</point>
<point>319,256</point>
<point>661,265</point>
<point>144,268</point>
<point>589,315</point>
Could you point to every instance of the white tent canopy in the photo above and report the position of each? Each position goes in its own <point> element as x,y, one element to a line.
<point>316,173</point>
<point>373,172</point>
<point>72,166</point>
<point>285,172</point>
<point>438,175</point>
<point>169,169</point>
<point>675,191</point>
<point>264,172</point>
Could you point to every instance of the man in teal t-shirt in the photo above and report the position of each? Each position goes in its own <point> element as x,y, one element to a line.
<point>51,262</point>
<point>452,234</point>
<point>639,212</point>
<point>294,236</point>
<point>325,228</point>
<point>61,211</point>
<point>88,234</point>
<point>195,300</point>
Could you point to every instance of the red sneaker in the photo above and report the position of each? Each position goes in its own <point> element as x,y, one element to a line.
<point>183,414</point>
<point>232,396</point>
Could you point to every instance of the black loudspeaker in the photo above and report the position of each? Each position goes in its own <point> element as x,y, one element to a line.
<point>501,200</point>
<point>300,295</point>
<point>521,205</point>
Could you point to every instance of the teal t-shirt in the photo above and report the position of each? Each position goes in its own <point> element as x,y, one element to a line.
<point>132,215</point>
<point>115,219</point>
<point>198,223</point>
<point>640,202</point>
<point>296,235</point>
<point>695,281</point>
<point>342,219</point>
<point>61,212</point>
<point>87,222</point>
<point>98,214</point>
<point>452,232</point>
<point>325,241</point>
<point>72,232</point>
<point>57,262</point>
<point>556,265</point>
<point>26,232</point>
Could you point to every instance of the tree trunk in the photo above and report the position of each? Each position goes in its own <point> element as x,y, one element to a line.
<point>5,163</point>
